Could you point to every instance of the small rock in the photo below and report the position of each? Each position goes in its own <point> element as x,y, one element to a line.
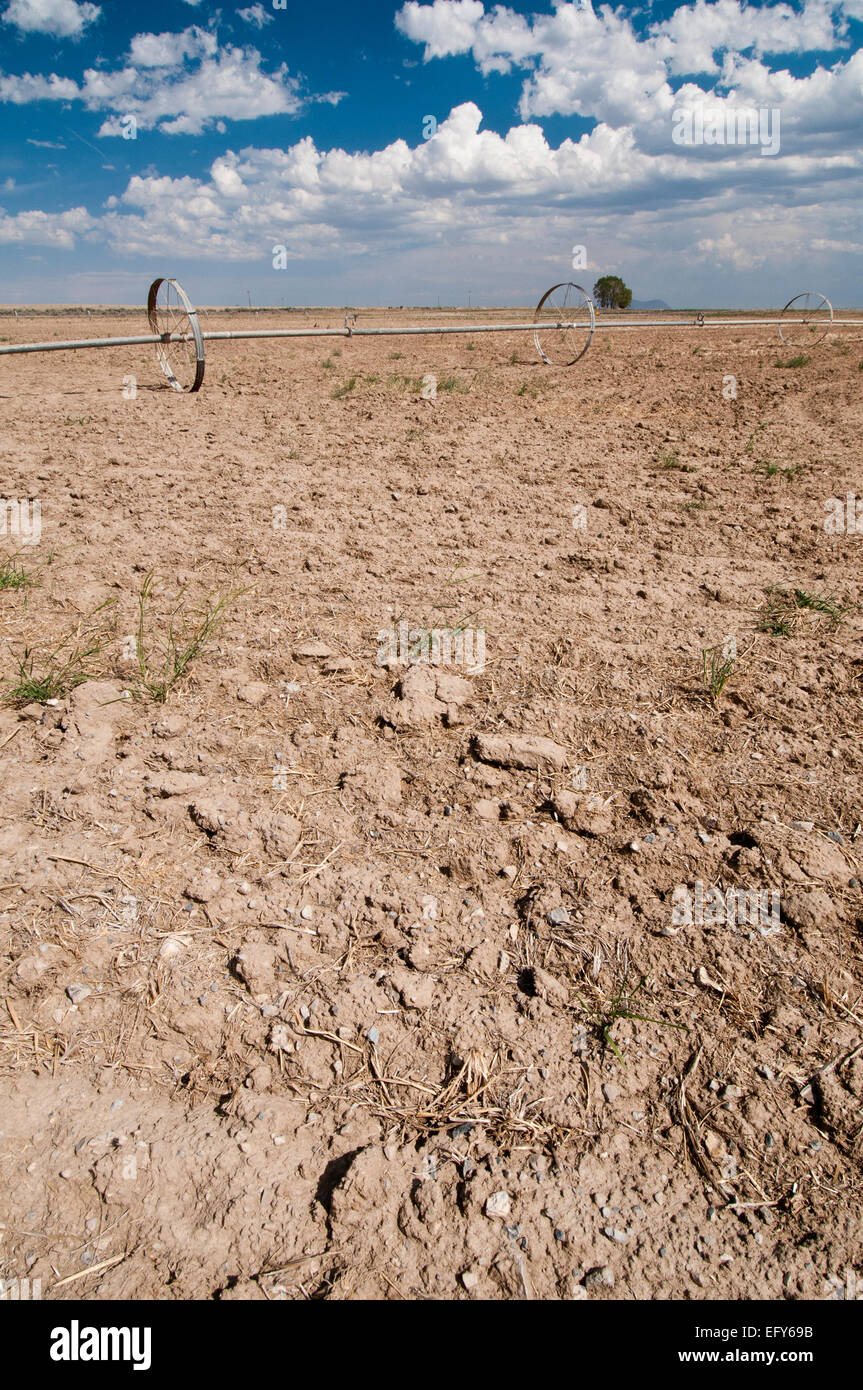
<point>599,1277</point>
<point>419,955</point>
<point>280,1039</point>
<point>214,814</point>
<point>204,888</point>
<point>712,1143</point>
<point>312,651</point>
<point>417,703</point>
<point>548,988</point>
<point>373,1036</point>
<point>585,815</point>
<point>469,1279</point>
<point>253,693</point>
<point>415,991</point>
<point>702,978</point>
<point>498,1204</point>
<point>484,959</point>
<point>78,993</point>
<point>32,966</point>
<point>527,752</point>
<point>281,834</point>
<point>172,946</point>
<point>255,966</point>
<point>176,784</point>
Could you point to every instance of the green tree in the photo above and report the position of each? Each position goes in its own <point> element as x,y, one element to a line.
<point>610,292</point>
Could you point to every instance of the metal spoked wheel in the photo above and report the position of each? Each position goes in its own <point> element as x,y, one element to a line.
<point>805,321</point>
<point>571,321</point>
<point>181,351</point>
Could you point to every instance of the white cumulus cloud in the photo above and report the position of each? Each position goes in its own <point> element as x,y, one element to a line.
<point>256,15</point>
<point>171,50</point>
<point>33,87</point>
<point>591,62</point>
<point>62,19</point>
<point>180,83</point>
<point>465,186</point>
<point>446,27</point>
<point>58,229</point>
<point>669,218</point>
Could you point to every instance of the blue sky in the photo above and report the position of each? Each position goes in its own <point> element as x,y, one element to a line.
<point>557,126</point>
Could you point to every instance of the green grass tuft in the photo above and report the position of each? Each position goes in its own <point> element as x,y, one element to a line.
<point>158,674</point>
<point>49,674</point>
<point>716,669</point>
<point>13,575</point>
<point>785,609</point>
<point>604,1015</point>
<point>773,470</point>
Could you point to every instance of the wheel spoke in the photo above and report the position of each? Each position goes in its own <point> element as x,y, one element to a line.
<point>569,314</point>
<point>181,349</point>
<point>805,321</point>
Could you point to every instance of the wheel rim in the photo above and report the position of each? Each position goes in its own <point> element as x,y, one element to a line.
<point>571,321</point>
<point>181,353</point>
<point>805,321</point>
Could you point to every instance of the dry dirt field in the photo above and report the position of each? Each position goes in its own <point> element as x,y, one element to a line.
<point>328,977</point>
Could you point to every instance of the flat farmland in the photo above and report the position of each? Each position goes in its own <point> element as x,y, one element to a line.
<point>330,970</point>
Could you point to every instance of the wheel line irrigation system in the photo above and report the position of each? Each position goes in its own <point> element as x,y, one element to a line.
<point>563,326</point>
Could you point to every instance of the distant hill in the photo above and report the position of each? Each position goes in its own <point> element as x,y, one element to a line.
<point>649,304</point>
